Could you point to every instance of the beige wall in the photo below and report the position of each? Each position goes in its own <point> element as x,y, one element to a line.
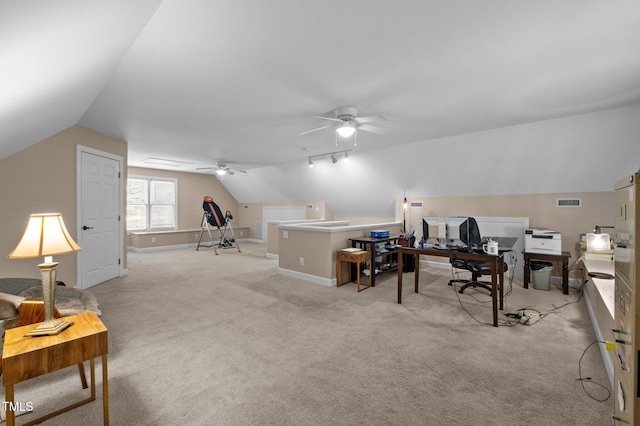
<point>318,249</point>
<point>192,187</point>
<point>42,178</point>
<point>250,213</point>
<point>597,209</point>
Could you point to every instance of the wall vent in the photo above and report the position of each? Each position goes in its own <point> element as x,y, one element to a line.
<point>309,206</point>
<point>259,230</point>
<point>416,204</point>
<point>569,202</point>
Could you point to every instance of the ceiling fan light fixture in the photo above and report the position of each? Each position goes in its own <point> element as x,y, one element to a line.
<point>346,130</point>
<point>221,172</point>
<point>346,156</point>
<point>334,160</point>
<point>310,162</point>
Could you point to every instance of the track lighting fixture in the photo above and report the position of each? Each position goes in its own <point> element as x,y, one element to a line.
<point>332,155</point>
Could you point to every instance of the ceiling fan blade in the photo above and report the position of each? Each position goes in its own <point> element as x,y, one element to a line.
<point>239,171</point>
<point>372,119</point>
<point>327,118</point>
<point>315,130</point>
<point>373,129</point>
<point>206,168</point>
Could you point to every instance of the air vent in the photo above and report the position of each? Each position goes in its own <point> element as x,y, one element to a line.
<point>569,202</point>
<point>416,204</point>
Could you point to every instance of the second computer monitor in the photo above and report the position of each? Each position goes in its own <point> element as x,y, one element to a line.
<point>453,231</point>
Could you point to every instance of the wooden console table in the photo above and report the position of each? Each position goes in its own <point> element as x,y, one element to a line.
<point>564,258</point>
<point>497,273</point>
<point>24,358</point>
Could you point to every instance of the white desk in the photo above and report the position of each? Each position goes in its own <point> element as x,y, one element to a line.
<point>599,297</point>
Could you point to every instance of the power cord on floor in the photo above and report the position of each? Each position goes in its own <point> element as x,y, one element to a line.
<point>584,380</point>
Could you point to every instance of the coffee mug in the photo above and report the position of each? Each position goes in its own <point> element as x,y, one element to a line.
<point>490,248</point>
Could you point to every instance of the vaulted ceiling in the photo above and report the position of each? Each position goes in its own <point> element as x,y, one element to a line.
<point>200,81</point>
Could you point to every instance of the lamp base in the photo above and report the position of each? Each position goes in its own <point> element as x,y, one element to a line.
<point>49,328</point>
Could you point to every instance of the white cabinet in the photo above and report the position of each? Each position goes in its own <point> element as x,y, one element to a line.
<point>626,330</point>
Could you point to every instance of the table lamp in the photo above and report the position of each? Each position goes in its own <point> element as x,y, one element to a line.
<point>598,242</point>
<point>46,236</point>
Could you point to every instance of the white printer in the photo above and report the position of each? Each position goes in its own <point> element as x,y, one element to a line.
<point>542,240</point>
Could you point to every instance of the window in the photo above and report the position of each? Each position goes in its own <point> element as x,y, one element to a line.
<point>151,203</point>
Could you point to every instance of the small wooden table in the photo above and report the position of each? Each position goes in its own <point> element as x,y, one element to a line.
<point>352,257</point>
<point>26,358</point>
<point>564,258</point>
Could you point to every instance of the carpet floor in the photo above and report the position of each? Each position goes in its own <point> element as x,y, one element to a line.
<point>200,339</point>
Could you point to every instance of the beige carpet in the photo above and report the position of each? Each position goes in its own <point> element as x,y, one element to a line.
<point>199,339</point>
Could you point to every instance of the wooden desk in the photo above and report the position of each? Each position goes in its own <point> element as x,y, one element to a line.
<point>352,257</point>
<point>497,273</point>
<point>564,258</point>
<point>26,358</point>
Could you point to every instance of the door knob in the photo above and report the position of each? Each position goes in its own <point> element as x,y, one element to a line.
<point>84,228</point>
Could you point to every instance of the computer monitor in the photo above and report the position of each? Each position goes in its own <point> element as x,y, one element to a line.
<point>434,230</point>
<point>454,232</point>
<point>464,233</point>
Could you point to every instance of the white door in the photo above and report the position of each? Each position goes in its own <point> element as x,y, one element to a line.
<point>99,218</point>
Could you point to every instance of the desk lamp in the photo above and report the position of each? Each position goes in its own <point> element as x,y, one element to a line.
<point>598,242</point>
<point>46,236</point>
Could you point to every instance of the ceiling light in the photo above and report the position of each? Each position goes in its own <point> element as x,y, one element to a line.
<point>334,160</point>
<point>346,156</point>
<point>310,162</point>
<point>221,172</point>
<point>346,130</point>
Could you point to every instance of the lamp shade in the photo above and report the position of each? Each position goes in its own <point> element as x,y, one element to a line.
<point>346,130</point>
<point>597,242</point>
<point>45,235</point>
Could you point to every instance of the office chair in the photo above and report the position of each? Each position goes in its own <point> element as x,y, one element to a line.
<point>477,270</point>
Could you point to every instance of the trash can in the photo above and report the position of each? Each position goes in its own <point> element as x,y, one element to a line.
<point>541,274</point>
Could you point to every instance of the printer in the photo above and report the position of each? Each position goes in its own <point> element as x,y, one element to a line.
<point>542,240</point>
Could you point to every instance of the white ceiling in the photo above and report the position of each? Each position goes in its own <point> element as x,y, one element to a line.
<point>200,81</point>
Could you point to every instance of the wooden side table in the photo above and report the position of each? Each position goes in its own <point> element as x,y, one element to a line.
<point>24,358</point>
<point>564,258</point>
<point>357,258</point>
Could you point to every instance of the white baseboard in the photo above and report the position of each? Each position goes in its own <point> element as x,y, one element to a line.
<point>273,256</point>
<point>329,282</point>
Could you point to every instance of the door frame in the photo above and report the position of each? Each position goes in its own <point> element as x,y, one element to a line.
<point>80,149</point>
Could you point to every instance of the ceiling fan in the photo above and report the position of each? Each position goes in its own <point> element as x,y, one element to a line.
<point>346,122</point>
<point>222,168</point>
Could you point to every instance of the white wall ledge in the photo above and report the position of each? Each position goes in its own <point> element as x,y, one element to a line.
<point>335,226</point>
